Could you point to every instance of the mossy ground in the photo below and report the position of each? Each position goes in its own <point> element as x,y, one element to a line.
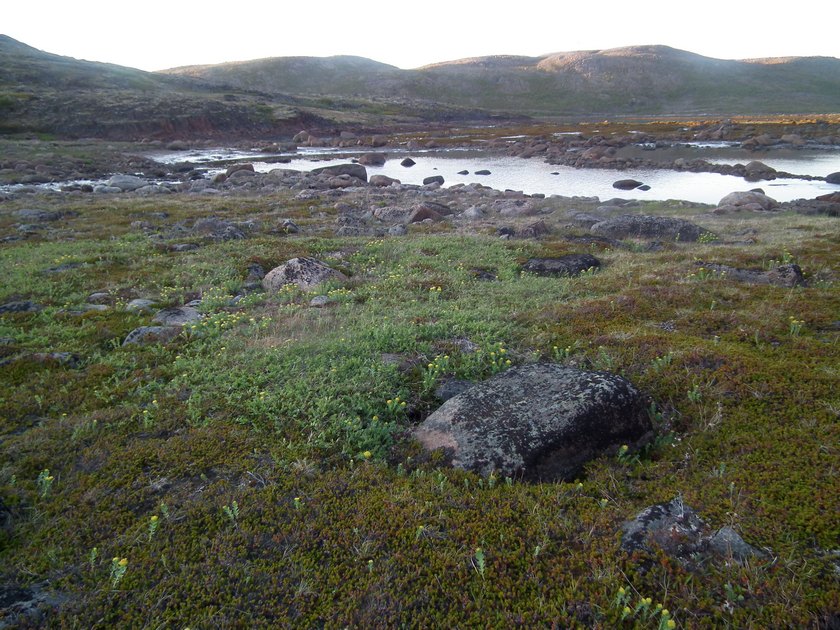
<point>271,443</point>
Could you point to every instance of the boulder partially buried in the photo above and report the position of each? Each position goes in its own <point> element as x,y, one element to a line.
<point>305,272</point>
<point>353,170</point>
<point>569,265</point>
<point>680,533</point>
<point>543,421</point>
<point>641,226</point>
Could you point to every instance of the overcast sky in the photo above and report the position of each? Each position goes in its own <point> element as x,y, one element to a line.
<point>153,35</point>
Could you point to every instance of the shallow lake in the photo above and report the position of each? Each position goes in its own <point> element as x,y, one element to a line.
<point>535,176</point>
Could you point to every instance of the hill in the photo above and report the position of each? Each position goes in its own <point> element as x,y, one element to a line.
<point>651,80</point>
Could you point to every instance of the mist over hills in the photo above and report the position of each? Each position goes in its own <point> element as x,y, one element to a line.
<point>44,92</point>
<point>635,80</point>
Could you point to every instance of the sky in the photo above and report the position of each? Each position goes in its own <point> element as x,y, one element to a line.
<point>154,35</point>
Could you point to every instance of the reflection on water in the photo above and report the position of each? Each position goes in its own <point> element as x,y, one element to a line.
<point>534,176</point>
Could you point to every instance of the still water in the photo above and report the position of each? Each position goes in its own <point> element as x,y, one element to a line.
<point>535,176</point>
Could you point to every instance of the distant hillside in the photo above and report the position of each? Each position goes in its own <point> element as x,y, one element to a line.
<point>50,94</point>
<point>634,80</point>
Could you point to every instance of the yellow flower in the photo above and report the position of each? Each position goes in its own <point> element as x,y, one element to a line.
<point>367,454</point>
<point>154,518</point>
<point>671,623</point>
<point>124,562</point>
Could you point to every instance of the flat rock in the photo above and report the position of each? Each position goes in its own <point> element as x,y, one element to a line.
<point>21,306</point>
<point>382,181</point>
<point>781,276</point>
<point>305,272</point>
<point>126,183</point>
<point>176,316</point>
<point>543,421</point>
<point>139,305</point>
<point>645,227</point>
<point>568,265</point>
<point>353,170</point>
<point>434,179</point>
<point>148,335</point>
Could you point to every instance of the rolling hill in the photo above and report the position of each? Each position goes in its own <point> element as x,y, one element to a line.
<point>651,80</point>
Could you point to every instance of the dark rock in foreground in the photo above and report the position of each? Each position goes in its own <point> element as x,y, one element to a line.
<point>434,179</point>
<point>569,265</point>
<point>678,531</point>
<point>542,421</point>
<point>641,226</point>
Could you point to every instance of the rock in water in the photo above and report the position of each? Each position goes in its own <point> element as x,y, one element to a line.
<point>833,178</point>
<point>626,184</point>
<point>434,179</point>
<point>408,162</point>
<point>307,273</point>
<point>544,421</point>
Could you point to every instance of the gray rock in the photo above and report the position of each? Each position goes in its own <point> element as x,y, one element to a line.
<point>245,167</point>
<point>287,226</point>
<point>451,387</point>
<point>126,183</point>
<point>353,170</point>
<point>319,301</point>
<point>139,305</point>
<point>217,229</point>
<point>748,200</point>
<point>109,190</point>
<point>100,297</point>
<point>641,226</point>
<point>372,159</point>
<point>397,230</point>
<point>680,533</point>
<point>782,276</point>
<point>35,214</point>
<point>569,265</point>
<point>22,306</point>
<point>473,212</point>
<point>382,181</point>
<point>483,171</point>
<point>148,335</point>
<point>434,179</point>
<point>176,316</point>
<point>534,230</point>
<point>543,421</point>
<point>408,162</point>
<point>307,273</point>
<point>833,178</point>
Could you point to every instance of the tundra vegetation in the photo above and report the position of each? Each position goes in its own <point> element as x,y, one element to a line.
<point>257,470</point>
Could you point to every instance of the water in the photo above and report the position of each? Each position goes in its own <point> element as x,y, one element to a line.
<point>535,176</point>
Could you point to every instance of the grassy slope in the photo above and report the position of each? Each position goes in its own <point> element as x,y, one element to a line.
<point>273,407</point>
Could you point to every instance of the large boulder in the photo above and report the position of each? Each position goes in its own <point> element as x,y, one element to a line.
<point>305,272</point>
<point>126,183</point>
<point>833,178</point>
<point>543,421</point>
<point>147,335</point>
<point>747,200</point>
<point>789,275</point>
<point>641,226</point>
<point>569,265</point>
<point>382,181</point>
<point>353,170</point>
<point>434,179</point>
